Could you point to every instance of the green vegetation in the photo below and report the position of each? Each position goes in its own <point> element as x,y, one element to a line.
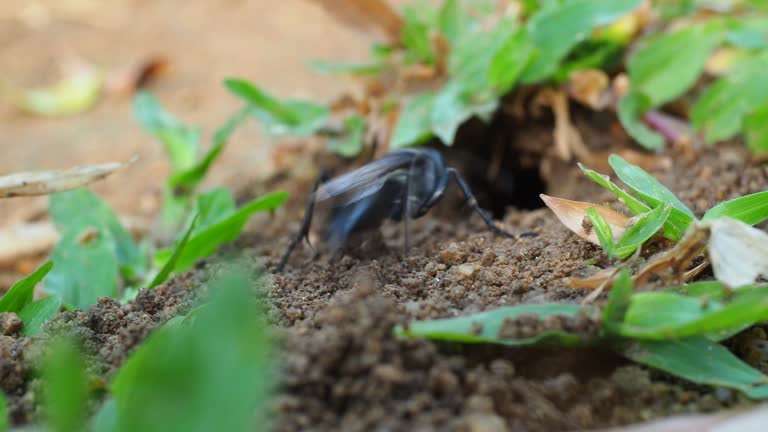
<point>676,330</point>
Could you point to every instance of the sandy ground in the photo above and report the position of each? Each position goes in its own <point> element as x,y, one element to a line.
<point>206,41</point>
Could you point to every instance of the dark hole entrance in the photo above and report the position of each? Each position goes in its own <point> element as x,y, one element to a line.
<point>502,170</point>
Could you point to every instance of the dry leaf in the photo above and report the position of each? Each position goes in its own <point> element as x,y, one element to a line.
<point>47,182</point>
<point>738,252</point>
<point>749,420</point>
<point>573,214</point>
<point>364,13</point>
<point>26,240</point>
<point>590,87</point>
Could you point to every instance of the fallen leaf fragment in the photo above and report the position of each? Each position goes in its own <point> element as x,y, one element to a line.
<point>590,87</point>
<point>46,182</point>
<point>76,92</point>
<point>738,252</point>
<point>573,214</point>
<point>364,13</point>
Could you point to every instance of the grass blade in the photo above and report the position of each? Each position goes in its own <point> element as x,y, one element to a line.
<point>22,292</point>
<point>648,225</point>
<point>169,265</point>
<point>750,209</point>
<point>635,205</point>
<point>654,193</point>
<point>619,299</point>
<point>488,327</point>
<point>37,313</point>
<point>701,361</point>
<point>603,231</point>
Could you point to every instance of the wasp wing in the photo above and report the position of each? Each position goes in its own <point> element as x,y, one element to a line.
<point>366,180</point>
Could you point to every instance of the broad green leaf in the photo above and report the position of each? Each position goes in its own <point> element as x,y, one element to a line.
<point>353,140</point>
<point>602,229</point>
<point>330,67</point>
<point>720,110</point>
<point>750,209</point>
<point>615,309</point>
<point>654,193</point>
<point>280,117</point>
<point>645,227</point>
<point>205,242</point>
<point>756,130</point>
<point>589,54</point>
<point>509,62</point>
<point>701,361</point>
<point>713,290</point>
<point>86,267</point>
<point>170,265</point>
<point>469,62</point>
<point>487,327</point>
<point>635,206</point>
<point>37,313</point>
<point>450,20</point>
<point>416,38</point>
<point>750,32</point>
<point>105,419</point>
<point>181,142</point>
<point>190,177</point>
<point>654,69</point>
<point>451,109</point>
<point>66,385</point>
<point>214,206</point>
<point>414,124</point>
<point>632,106</point>
<point>80,209</point>
<point>556,30</point>
<point>22,292</point>
<point>216,373</point>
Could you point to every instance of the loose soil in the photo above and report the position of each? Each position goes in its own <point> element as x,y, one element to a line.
<point>342,368</point>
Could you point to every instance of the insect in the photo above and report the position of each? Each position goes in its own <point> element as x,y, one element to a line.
<point>402,185</point>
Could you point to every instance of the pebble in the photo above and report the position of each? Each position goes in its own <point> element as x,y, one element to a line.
<point>466,269</point>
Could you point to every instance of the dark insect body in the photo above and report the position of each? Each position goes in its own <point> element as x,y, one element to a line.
<point>404,184</point>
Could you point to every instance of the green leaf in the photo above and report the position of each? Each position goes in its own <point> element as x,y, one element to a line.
<point>701,361</point>
<point>635,206</point>
<point>205,242</point>
<point>469,62</point>
<point>487,327</point>
<point>214,206</point>
<point>654,68</point>
<point>414,124</point>
<point>654,193</point>
<point>415,37</point>
<point>191,177</point>
<point>37,313</point>
<point>509,62</point>
<point>66,387</point>
<point>632,106</point>
<point>450,20</point>
<point>603,231</point>
<point>80,209</point>
<point>216,373</point>
<point>748,32</point>
<point>717,114</point>
<point>750,209</point>
<point>170,265</point>
<point>667,315</point>
<point>331,67</point>
<point>616,307</point>
<point>452,107</point>
<point>353,140</point>
<point>86,267</point>
<point>280,117</point>
<point>648,225</point>
<point>4,420</point>
<point>22,292</point>
<point>180,141</point>
<point>756,130</point>
<point>556,30</point>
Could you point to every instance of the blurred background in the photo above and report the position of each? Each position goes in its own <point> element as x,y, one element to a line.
<point>193,46</point>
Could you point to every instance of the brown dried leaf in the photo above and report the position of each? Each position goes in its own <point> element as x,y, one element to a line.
<point>573,215</point>
<point>364,13</point>
<point>47,182</point>
<point>590,87</point>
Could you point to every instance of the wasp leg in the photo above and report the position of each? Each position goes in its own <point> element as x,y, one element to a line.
<point>303,233</point>
<point>471,201</point>
<point>407,209</point>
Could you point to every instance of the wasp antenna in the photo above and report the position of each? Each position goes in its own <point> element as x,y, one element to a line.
<point>471,201</point>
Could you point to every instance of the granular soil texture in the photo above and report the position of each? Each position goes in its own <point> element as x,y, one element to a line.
<point>345,370</point>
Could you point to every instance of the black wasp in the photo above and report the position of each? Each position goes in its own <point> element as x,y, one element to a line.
<point>404,184</point>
